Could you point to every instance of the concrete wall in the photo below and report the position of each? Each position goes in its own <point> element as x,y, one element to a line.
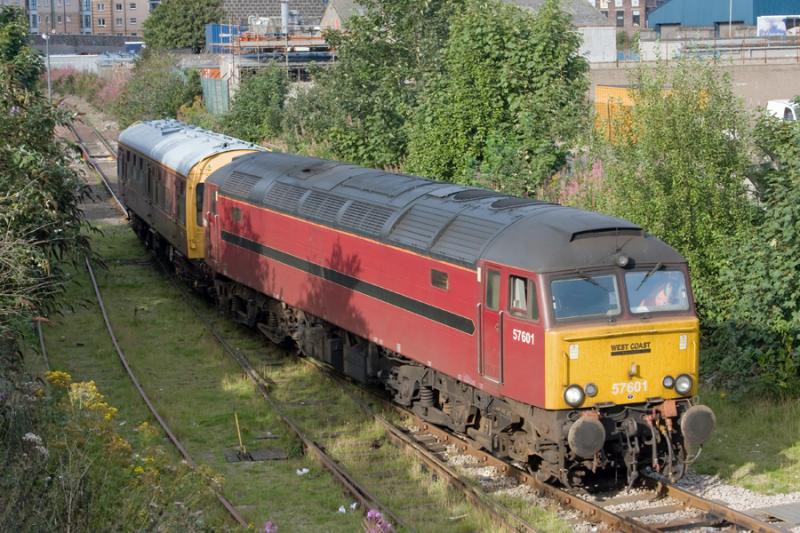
<point>754,84</point>
<point>599,43</point>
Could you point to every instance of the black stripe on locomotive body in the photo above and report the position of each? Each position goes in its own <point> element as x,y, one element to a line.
<point>398,300</point>
<point>453,223</point>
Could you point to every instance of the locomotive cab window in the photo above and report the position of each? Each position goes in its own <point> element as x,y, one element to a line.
<point>522,298</point>
<point>493,290</point>
<point>439,279</point>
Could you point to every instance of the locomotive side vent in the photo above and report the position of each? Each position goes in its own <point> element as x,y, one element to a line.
<point>420,225</point>
<point>239,184</point>
<point>366,218</point>
<point>284,196</point>
<point>465,237</point>
<point>322,206</point>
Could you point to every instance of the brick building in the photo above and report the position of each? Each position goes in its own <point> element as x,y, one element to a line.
<point>87,17</point>
<point>119,17</point>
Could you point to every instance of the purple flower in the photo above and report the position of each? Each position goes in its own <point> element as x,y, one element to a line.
<point>270,527</point>
<point>376,523</point>
<point>14,111</point>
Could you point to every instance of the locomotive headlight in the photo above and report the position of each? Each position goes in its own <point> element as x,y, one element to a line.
<point>574,395</point>
<point>683,384</point>
<point>668,382</point>
<point>591,390</point>
<point>622,260</point>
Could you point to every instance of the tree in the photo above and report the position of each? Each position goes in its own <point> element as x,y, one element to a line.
<point>677,165</point>
<point>509,101</point>
<point>181,24</point>
<point>257,108</point>
<point>757,338</point>
<point>358,108</point>
<point>18,60</point>
<point>157,89</point>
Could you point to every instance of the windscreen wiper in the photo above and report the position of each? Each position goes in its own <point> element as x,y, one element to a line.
<point>586,277</point>
<point>652,271</point>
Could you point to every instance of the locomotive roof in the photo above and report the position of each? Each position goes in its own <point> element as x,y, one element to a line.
<point>177,145</point>
<point>451,222</point>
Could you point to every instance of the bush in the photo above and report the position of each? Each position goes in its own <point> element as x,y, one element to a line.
<point>756,341</point>
<point>677,165</point>
<point>157,89</point>
<point>257,108</point>
<point>508,102</point>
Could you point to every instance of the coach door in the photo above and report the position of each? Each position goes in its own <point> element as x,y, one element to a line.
<point>491,353</point>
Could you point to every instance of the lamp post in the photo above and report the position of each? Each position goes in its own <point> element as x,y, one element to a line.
<point>730,19</point>
<point>46,38</point>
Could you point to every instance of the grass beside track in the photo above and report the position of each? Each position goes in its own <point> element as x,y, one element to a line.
<point>756,444</point>
<point>194,386</point>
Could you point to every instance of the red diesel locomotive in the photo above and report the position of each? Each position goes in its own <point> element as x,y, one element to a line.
<point>563,339</point>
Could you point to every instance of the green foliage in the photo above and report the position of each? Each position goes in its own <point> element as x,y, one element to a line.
<point>68,468</point>
<point>18,61</point>
<point>157,89</point>
<point>358,108</point>
<point>677,164</point>
<point>759,334</point>
<point>257,108</point>
<point>197,115</point>
<point>40,217</point>
<point>509,101</point>
<point>181,24</point>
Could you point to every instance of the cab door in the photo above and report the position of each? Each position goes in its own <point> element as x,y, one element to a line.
<point>492,316</point>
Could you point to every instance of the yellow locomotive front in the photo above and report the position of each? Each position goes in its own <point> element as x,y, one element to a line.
<point>622,352</point>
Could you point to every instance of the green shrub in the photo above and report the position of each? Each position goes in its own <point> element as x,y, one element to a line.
<point>157,89</point>
<point>257,108</point>
<point>506,106</point>
<point>756,341</point>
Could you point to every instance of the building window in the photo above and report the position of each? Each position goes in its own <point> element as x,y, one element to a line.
<point>118,6</point>
<point>34,21</point>
<point>86,5</point>
<point>634,3</point>
<point>101,7</point>
<point>636,18</point>
<point>118,21</point>
<point>87,21</point>
<point>32,5</point>
<point>620,19</point>
<point>133,21</point>
<point>101,22</point>
<point>132,5</point>
<point>617,3</point>
<point>58,19</point>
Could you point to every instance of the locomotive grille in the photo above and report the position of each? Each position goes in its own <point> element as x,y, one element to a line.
<point>322,206</point>
<point>366,218</point>
<point>239,184</point>
<point>466,237</point>
<point>284,196</point>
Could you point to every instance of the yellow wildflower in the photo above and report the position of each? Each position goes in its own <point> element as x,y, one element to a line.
<point>57,378</point>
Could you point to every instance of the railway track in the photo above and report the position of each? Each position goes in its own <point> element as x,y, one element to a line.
<point>651,510</point>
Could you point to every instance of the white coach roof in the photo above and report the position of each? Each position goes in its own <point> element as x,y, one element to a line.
<point>177,145</point>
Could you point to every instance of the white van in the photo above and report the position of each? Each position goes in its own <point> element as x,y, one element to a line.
<point>783,109</point>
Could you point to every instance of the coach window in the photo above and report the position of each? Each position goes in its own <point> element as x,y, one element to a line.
<point>180,200</point>
<point>493,290</point>
<point>198,203</point>
<point>521,298</point>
